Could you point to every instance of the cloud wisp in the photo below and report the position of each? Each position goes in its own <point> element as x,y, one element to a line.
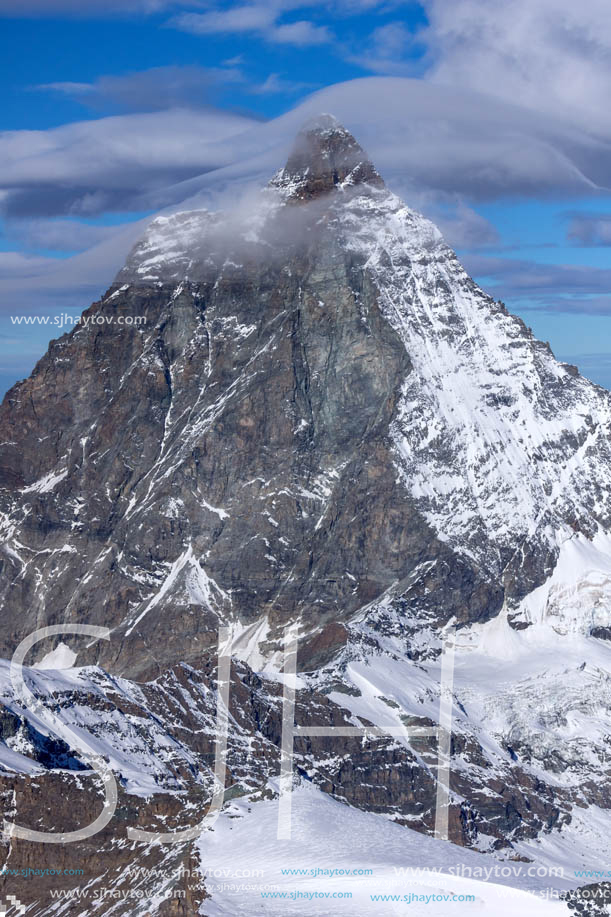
<point>426,138</point>
<point>440,149</point>
<point>577,289</point>
<point>155,89</point>
<point>84,9</point>
<point>590,228</point>
<point>261,19</point>
<point>552,55</point>
<point>109,164</point>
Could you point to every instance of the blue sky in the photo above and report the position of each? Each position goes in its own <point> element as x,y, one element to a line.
<point>39,52</point>
<point>493,122</point>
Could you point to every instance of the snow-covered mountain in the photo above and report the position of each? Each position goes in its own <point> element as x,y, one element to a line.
<point>324,423</point>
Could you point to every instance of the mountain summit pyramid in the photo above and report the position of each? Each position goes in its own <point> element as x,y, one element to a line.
<point>325,154</point>
<point>322,411</point>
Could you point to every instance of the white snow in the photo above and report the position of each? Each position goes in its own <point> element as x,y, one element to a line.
<point>46,483</point>
<point>221,513</point>
<point>62,657</point>
<point>143,762</point>
<point>498,443</point>
<point>490,460</point>
<point>544,691</point>
<point>328,835</point>
<point>246,641</point>
<point>201,588</point>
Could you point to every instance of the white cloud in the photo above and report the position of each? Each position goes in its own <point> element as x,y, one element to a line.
<point>59,235</point>
<point>548,287</point>
<point>391,40</point>
<point>424,137</point>
<point>461,225</point>
<point>85,8</point>
<point>590,228</point>
<point>276,84</point>
<point>386,51</point>
<point>20,265</point>
<point>68,88</point>
<point>37,284</point>
<point>261,19</point>
<point>108,163</point>
<point>301,34</point>
<point>236,19</point>
<point>549,55</point>
<point>586,305</point>
<point>429,141</point>
<point>434,137</point>
<point>437,146</point>
<point>154,89</point>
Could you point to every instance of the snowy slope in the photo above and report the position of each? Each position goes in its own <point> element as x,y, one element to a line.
<point>98,715</point>
<point>335,838</point>
<point>497,440</point>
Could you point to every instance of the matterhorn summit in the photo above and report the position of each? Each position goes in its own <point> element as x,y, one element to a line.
<point>325,155</point>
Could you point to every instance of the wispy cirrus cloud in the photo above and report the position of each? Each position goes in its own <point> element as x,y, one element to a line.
<point>552,55</point>
<point>91,8</point>
<point>462,226</point>
<point>594,365</point>
<point>579,289</point>
<point>302,33</point>
<point>586,305</point>
<point>155,89</point>
<point>233,20</point>
<point>275,83</point>
<point>109,164</point>
<point>85,8</point>
<point>59,235</point>
<point>387,51</point>
<point>260,19</point>
<point>589,228</point>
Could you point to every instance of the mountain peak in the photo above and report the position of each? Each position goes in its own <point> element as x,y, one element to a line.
<point>325,155</point>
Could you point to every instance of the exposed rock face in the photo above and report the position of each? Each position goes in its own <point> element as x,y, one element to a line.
<point>232,459</point>
<point>590,900</point>
<point>320,407</point>
<point>102,875</point>
<point>325,155</point>
<point>323,421</point>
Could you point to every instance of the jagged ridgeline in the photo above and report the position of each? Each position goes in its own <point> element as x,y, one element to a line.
<point>323,422</point>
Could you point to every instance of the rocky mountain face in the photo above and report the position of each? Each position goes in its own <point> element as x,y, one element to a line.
<point>323,422</point>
